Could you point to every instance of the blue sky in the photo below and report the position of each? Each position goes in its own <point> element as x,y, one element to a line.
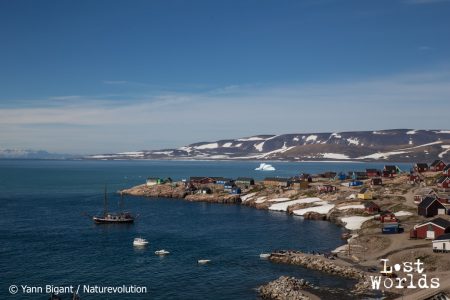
<point>106,76</point>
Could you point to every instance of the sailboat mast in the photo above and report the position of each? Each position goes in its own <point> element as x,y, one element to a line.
<point>105,204</point>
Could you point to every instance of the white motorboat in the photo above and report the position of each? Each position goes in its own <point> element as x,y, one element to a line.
<point>139,242</point>
<point>264,255</point>
<point>265,167</point>
<point>162,252</point>
<point>203,261</point>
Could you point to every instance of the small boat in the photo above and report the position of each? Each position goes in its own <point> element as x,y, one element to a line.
<point>140,242</point>
<point>265,167</point>
<point>203,261</point>
<point>264,255</point>
<point>162,252</point>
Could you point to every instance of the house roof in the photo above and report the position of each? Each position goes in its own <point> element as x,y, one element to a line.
<point>435,163</point>
<point>447,167</point>
<point>441,179</point>
<point>443,223</point>
<point>422,165</point>
<point>363,191</point>
<point>372,170</point>
<point>443,237</point>
<point>390,168</point>
<point>427,201</point>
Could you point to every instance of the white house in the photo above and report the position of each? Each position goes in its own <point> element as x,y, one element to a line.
<point>442,243</point>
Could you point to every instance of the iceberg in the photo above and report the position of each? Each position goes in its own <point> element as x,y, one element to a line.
<point>265,167</point>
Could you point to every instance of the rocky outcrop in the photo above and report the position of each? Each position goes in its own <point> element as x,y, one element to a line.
<point>284,288</point>
<point>177,190</point>
<point>161,190</point>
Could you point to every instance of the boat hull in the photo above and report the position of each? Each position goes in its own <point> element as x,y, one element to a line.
<point>109,221</point>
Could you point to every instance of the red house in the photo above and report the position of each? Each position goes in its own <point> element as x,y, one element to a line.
<point>437,165</point>
<point>371,207</point>
<point>388,217</point>
<point>443,182</point>
<point>430,229</point>
<point>373,173</point>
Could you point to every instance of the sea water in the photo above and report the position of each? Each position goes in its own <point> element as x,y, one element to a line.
<point>48,239</point>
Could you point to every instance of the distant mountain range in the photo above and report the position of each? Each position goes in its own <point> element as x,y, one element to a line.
<point>30,154</point>
<point>401,145</point>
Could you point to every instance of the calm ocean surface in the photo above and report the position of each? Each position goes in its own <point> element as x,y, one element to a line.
<point>46,239</point>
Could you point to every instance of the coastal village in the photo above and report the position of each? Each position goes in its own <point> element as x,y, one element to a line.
<point>389,213</point>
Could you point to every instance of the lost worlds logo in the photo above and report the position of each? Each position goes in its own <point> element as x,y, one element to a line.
<point>414,276</point>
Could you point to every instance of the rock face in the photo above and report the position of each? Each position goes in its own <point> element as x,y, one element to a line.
<point>284,288</point>
<point>160,190</point>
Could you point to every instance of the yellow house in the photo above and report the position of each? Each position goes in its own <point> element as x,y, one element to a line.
<point>365,194</point>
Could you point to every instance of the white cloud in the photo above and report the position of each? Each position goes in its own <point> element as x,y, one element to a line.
<point>178,118</point>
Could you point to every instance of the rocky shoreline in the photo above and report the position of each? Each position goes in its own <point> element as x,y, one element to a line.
<point>323,264</point>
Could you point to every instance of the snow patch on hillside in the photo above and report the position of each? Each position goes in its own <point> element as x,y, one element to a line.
<point>353,141</point>
<point>207,146</point>
<point>249,139</point>
<point>259,146</point>
<point>447,149</point>
<point>336,135</point>
<point>227,145</point>
<point>411,132</point>
<point>311,138</point>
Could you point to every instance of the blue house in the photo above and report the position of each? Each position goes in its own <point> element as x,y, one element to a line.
<point>235,191</point>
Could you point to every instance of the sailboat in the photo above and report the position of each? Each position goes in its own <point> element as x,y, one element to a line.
<point>116,218</point>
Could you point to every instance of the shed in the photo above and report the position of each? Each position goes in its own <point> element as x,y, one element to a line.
<point>365,194</point>
<point>430,207</point>
<point>442,243</point>
<point>431,229</point>
<point>371,207</point>
<point>299,184</point>
<point>388,217</point>
<point>235,191</point>
<point>376,181</point>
